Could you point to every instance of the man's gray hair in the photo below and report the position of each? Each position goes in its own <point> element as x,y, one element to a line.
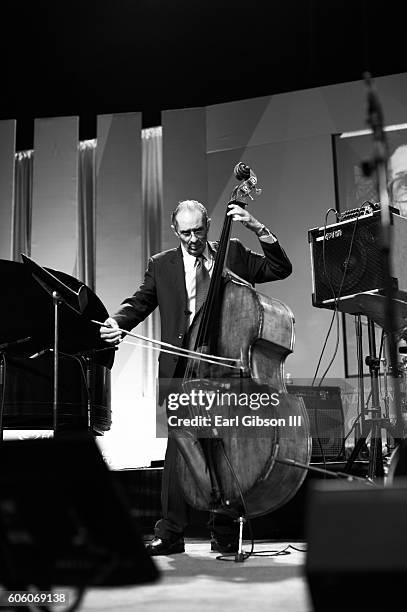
<point>189,205</point>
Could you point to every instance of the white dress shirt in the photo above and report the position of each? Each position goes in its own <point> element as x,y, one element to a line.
<point>190,276</point>
<point>190,270</point>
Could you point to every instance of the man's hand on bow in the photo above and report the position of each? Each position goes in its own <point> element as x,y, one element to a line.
<point>110,332</point>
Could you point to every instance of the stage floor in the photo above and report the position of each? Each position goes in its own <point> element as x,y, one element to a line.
<point>195,581</point>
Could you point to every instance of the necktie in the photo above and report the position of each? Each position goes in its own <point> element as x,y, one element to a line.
<point>202,282</point>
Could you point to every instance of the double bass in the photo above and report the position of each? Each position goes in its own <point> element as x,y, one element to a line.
<point>241,470</point>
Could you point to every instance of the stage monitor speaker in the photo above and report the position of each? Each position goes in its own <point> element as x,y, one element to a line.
<point>357,546</point>
<point>398,462</point>
<point>64,520</point>
<point>363,262</point>
<point>325,413</point>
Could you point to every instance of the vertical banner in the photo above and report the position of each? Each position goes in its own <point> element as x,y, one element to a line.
<point>184,163</point>
<point>7,150</point>
<point>55,193</point>
<point>119,272</point>
<point>118,207</point>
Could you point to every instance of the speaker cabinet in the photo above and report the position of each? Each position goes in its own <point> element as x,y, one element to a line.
<point>325,413</point>
<point>63,520</point>
<point>357,546</point>
<point>346,258</point>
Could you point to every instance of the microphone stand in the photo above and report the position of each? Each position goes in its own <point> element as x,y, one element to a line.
<point>360,427</point>
<point>376,423</point>
<point>386,396</point>
<point>378,163</point>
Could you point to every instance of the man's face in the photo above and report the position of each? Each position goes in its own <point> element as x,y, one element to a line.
<point>192,230</point>
<point>399,192</point>
<point>398,179</point>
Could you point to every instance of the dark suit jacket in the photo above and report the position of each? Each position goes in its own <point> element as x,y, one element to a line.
<point>164,286</point>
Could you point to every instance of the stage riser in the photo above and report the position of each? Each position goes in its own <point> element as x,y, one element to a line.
<point>142,488</point>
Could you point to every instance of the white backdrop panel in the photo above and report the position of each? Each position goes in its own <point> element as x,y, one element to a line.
<point>7,149</point>
<point>303,114</point>
<point>55,193</point>
<point>119,271</point>
<point>184,163</point>
<point>297,182</point>
<point>118,207</point>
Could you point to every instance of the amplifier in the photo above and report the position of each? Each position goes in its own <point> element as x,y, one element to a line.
<point>346,258</point>
<point>325,413</point>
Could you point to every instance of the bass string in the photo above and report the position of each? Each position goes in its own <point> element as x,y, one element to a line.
<point>209,305</point>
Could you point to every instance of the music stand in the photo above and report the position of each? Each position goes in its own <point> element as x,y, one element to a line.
<point>61,294</point>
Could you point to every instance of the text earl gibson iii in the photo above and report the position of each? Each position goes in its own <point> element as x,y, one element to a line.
<point>236,421</point>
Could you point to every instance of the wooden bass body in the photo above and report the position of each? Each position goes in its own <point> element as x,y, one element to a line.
<point>258,331</point>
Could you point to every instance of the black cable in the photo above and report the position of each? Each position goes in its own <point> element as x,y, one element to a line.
<point>299,549</point>
<point>359,414</point>
<point>334,295</point>
<point>227,557</point>
<point>279,553</point>
<point>338,296</point>
<point>332,290</point>
<point>342,451</point>
<point>327,334</point>
<point>335,314</point>
<point>320,384</point>
<point>323,348</point>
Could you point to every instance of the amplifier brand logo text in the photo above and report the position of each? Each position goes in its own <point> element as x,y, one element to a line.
<point>334,234</point>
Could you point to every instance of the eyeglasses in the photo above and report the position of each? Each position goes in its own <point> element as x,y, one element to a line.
<point>398,184</point>
<point>199,233</point>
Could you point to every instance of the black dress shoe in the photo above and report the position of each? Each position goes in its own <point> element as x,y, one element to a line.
<point>159,546</point>
<point>224,546</point>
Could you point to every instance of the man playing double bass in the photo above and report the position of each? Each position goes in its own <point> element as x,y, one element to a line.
<point>176,281</point>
